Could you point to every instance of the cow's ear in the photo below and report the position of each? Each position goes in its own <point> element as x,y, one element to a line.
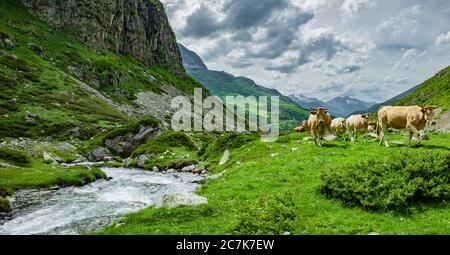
<point>364,116</point>
<point>313,112</point>
<point>423,110</point>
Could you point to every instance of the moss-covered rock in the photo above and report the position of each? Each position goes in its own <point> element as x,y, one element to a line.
<point>15,157</point>
<point>5,206</point>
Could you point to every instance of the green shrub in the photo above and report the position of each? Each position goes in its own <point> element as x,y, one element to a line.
<point>393,183</point>
<point>165,142</point>
<point>4,205</point>
<point>270,215</point>
<point>15,157</point>
<point>131,128</point>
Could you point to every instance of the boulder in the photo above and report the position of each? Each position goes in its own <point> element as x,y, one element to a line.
<point>214,176</point>
<point>330,138</point>
<point>126,144</point>
<point>180,199</point>
<point>48,158</point>
<point>188,168</point>
<point>225,158</point>
<point>99,154</point>
<point>155,169</point>
<point>308,138</point>
<point>65,147</point>
<point>140,161</point>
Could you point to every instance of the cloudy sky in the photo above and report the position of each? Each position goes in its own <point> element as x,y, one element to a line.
<point>369,49</point>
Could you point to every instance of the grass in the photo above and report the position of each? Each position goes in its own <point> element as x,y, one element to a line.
<point>265,169</point>
<point>41,175</point>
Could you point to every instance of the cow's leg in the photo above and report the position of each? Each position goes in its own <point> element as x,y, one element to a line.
<point>384,129</point>
<point>410,136</point>
<point>413,131</point>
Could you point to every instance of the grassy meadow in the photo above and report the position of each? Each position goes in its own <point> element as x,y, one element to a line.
<point>273,188</point>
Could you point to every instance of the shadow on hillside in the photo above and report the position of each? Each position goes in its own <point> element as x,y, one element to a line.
<point>435,147</point>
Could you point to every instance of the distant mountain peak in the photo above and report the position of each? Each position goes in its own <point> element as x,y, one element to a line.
<point>191,60</point>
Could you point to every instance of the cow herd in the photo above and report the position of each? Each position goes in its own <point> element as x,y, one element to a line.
<point>413,119</point>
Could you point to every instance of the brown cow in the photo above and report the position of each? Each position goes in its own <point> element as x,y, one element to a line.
<point>338,126</point>
<point>358,123</point>
<point>319,122</point>
<point>411,118</point>
<point>303,127</point>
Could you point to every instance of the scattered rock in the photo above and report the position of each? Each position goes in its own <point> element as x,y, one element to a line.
<point>214,176</point>
<point>190,168</point>
<point>98,154</point>
<point>65,147</point>
<point>48,158</point>
<point>155,169</point>
<point>79,160</point>
<point>373,234</point>
<point>330,138</point>
<point>225,158</point>
<point>308,138</point>
<point>294,149</point>
<point>171,171</point>
<point>140,162</point>
<point>284,146</point>
<point>30,121</point>
<point>184,156</point>
<point>204,172</point>
<point>273,155</point>
<point>188,199</point>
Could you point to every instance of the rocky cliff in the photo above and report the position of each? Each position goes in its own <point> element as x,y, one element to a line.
<point>136,27</point>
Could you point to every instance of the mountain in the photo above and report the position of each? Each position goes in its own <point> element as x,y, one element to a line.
<point>223,84</point>
<point>339,106</point>
<point>434,91</point>
<point>82,66</point>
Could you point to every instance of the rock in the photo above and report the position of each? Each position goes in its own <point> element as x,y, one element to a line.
<point>171,171</point>
<point>48,158</point>
<point>98,154</point>
<point>187,199</point>
<point>137,28</point>
<point>330,138</point>
<point>65,147</point>
<point>284,146</point>
<point>214,176</point>
<point>140,161</point>
<point>373,234</point>
<point>79,160</point>
<point>308,138</point>
<point>225,158</point>
<point>190,168</point>
<point>30,121</point>
<point>204,172</point>
<point>293,149</point>
<point>273,155</point>
<point>197,171</point>
<point>124,145</point>
<point>155,169</point>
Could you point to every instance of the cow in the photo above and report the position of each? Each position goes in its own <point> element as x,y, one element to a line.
<point>357,123</point>
<point>319,122</point>
<point>411,118</point>
<point>338,126</point>
<point>302,128</point>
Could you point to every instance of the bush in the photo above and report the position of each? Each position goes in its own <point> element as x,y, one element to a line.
<point>393,183</point>
<point>4,205</point>
<point>165,142</point>
<point>270,215</point>
<point>15,157</point>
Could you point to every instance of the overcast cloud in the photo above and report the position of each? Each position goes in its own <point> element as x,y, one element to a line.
<point>369,49</point>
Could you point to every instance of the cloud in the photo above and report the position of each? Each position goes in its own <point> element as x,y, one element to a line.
<point>443,38</point>
<point>201,23</point>
<point>353,7</point>
<point>409,58</point>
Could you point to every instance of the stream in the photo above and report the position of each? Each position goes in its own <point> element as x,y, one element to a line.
<point>77,210</point>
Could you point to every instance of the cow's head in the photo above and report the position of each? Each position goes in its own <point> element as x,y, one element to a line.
<point>366,117</point>
<point>321,114</point>
<point>428,112</point>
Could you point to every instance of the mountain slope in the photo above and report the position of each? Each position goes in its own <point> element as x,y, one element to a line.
<point>56,82</point>
<point>434,91</point>
<point>224,84</point>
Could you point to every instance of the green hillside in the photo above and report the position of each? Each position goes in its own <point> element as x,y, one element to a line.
<point>40,69</point>
<point>435,91</point>
<point>223,84</point>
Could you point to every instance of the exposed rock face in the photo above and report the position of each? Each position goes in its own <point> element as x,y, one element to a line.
<point>136,27</point>
<point>186,199</point>
<point>125,144</point>
<point>99,154</point>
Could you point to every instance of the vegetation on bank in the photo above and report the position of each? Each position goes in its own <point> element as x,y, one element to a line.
<point>263,180</point>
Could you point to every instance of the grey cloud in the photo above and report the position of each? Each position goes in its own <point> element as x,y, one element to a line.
<point>201,23</point>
